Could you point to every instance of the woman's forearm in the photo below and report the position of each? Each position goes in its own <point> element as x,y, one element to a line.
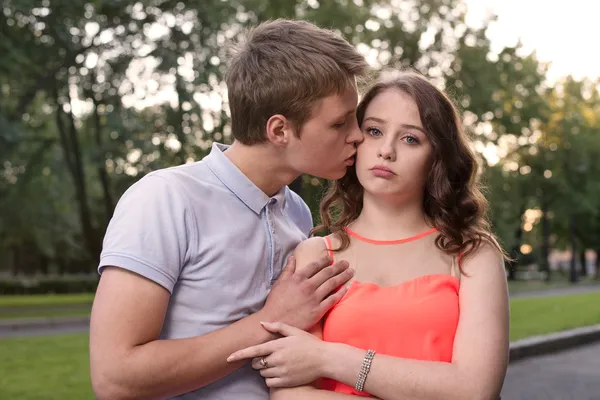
<point>392,378</point>
<point>309,393</point>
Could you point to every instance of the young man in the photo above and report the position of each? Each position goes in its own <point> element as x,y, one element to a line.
<point>193,252</point>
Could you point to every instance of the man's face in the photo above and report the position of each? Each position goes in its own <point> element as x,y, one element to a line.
<point>327,141</point>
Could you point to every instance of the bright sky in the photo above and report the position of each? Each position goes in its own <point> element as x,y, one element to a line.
<point>565,33</point>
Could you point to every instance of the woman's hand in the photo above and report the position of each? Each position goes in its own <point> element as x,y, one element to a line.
<point>296,359</point>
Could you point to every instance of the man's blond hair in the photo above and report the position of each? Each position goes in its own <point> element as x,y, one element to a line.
<point>284,67</point>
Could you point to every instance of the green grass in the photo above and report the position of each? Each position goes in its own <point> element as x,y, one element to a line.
<point>536,316</point>
<point>51,305</point>
<point>43,300</point>
<point>45,368</point>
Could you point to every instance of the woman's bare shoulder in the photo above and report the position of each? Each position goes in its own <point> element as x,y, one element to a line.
<point>334,240</point>
<point>310,250</point>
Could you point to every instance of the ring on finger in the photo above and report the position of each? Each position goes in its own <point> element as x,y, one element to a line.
<point>264,363</point>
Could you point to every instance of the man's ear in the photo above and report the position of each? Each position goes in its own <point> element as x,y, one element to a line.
<point>279,130</point>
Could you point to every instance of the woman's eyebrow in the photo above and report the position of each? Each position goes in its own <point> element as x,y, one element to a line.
<point>405,126</point>
<point>378,120</point>
<point>408,126</point>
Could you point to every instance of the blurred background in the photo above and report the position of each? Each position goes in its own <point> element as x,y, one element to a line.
<point>95,94</point>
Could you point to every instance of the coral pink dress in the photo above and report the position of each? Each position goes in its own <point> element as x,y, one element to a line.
<point>415,319</point>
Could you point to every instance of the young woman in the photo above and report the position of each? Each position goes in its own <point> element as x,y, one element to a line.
<point>426,315</point>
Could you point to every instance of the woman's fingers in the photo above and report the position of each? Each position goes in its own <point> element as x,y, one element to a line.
<point>270,373</point>
<point>260,350</point>
<point>282,329</point>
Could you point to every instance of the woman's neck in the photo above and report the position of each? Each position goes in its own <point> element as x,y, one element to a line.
<point>382,219</point>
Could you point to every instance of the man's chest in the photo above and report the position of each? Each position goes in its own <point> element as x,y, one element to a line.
<point>232,274</point>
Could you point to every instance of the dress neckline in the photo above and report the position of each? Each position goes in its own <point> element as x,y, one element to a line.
<point>388,242</point>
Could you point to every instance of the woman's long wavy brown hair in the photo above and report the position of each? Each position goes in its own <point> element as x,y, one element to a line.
<point>453,201</point>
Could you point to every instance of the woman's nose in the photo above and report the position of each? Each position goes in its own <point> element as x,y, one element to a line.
<point>387,152</point>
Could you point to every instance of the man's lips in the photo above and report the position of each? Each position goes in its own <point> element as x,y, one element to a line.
<point>350,160</point>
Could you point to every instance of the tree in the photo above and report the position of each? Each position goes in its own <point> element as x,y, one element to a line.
<point>93,95</point>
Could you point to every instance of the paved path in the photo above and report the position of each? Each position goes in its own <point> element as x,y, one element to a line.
<point>54,330</point>
<point>46,309</point>
<point>560,291</point>
<point>572,374</point>
<point>43,326</point>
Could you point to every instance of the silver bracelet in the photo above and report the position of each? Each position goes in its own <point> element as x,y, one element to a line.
<point>364,370</point>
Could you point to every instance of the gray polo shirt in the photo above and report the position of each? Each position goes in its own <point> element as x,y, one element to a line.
<point>214,240</point>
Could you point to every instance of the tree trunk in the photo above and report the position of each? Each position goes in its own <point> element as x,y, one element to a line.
<point>597,264</point>
<point>512,265</point>
<point>103,175</point>
<point>583,263</point>
<point>44,264</point>
<point>74,159</point>
<point>14,259</point>
<point>545,266</point>
<point>573,276</point>
<point>515,251</point>
<point>61,252</point>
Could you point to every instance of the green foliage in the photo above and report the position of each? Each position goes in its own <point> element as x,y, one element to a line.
<point>93,95</point>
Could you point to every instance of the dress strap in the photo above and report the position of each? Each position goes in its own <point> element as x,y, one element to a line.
<point>456,266</point>
<point>329,247</point>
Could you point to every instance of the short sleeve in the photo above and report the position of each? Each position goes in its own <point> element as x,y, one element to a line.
<point>306,221</point>
<point>149,233</point>
<point>299,212</point>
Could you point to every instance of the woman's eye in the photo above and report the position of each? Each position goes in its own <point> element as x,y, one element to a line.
<point>411,140</point>
<point>339,125</point>
<point>374,132</point>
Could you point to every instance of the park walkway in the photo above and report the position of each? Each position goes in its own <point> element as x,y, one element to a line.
<point>571,374</point>
<point>559,291</point>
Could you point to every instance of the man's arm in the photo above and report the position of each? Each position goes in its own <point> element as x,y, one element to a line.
<point>129,362</point>
<point>148,241</point>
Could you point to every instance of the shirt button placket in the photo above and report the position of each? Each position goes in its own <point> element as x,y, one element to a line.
<point>271,208</point>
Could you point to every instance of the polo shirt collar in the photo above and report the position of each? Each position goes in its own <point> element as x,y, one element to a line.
<point>238,183</point>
